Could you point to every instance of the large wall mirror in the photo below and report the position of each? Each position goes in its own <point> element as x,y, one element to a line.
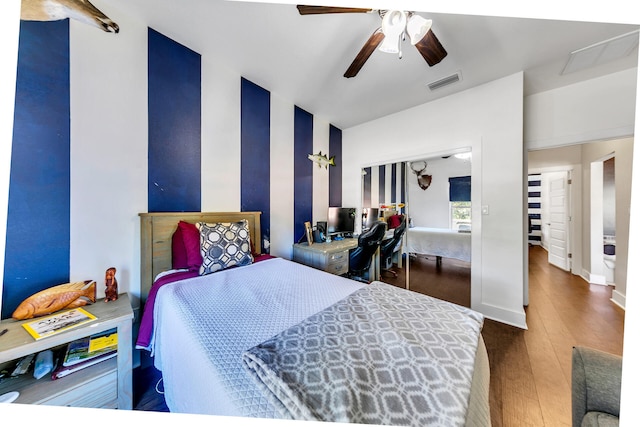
<point>433,195</point>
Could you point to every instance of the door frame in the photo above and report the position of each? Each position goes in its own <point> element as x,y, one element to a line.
<point>596,270</point>
<point>574,190</point>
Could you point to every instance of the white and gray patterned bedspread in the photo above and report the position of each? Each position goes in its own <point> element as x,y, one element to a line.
<point>380,356</point>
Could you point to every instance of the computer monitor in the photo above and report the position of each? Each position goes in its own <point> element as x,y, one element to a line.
<point>341,220</point>
<point>369,216</point>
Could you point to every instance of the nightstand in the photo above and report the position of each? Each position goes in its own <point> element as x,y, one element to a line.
<point>107,384</point>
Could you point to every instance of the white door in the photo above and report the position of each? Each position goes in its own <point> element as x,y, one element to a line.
<point>558,220</point>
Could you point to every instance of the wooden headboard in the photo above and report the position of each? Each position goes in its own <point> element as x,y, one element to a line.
<point>157,228</point>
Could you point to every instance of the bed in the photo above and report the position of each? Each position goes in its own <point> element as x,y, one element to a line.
<point>439,242</point>
<point>277,339</point>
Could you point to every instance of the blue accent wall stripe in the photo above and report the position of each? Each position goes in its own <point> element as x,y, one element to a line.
<point>381,184</point>
<point>394,182</point>
<point>38,217</point>
<point>174,74</point>
<point>255,138</point>
<point>335,172</point>
<point>302,170</point>
<point>366,188</point>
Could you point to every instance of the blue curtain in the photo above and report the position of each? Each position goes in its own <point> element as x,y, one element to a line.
<point>460,189</point>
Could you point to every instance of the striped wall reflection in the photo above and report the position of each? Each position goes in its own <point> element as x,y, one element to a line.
<point>384,184</point>
<point>534,209</point>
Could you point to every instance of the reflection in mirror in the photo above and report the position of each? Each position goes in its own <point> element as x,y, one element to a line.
<point>434,194</point>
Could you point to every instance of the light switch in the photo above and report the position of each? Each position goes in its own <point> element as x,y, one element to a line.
<point>485,209</point>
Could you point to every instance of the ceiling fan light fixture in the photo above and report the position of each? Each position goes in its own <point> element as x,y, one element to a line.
<point>389,45</point>
<point>417,28</point>
<point>394,23</point>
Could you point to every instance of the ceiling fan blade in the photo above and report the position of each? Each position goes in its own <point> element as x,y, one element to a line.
<point>365,53</point>
<point>315,10</point>
<point>431,49</point>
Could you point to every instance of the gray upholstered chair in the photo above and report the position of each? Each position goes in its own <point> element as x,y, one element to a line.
<point>595,388</point>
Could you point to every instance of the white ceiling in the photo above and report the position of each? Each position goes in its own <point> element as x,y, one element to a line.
<point>303,58</point>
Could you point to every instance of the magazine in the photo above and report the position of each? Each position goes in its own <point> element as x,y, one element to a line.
<point>63,371</point>
<point>61,321</point>
<point>89,348</point>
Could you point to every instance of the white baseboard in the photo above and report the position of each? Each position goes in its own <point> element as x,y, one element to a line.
<point>509,317</point>
<point>619,299</point>
<point>595,279</point>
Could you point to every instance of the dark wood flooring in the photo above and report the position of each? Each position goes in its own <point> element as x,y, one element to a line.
<point>530,369</point>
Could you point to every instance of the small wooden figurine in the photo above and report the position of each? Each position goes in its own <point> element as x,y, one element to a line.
<point>111,293</point>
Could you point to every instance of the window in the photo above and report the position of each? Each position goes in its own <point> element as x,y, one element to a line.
<point>460,202</point>
<point>460,215</point>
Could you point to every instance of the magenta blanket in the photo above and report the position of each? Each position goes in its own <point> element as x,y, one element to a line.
<point>146,323</point>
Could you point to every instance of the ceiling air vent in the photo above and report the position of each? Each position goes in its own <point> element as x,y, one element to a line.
<point>445,81</point>
<point>603,52</point>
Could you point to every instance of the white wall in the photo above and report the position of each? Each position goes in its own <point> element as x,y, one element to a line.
<point>282,233</point>
<point>631,352</point>
<point>488,119</point>
<point>108,152</point>
<point>606,107</point>
<point>320,204</point>
<point>220,148</point>
<point>430,207</point>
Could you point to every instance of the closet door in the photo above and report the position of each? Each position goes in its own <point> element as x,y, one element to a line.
<point>558,220</point>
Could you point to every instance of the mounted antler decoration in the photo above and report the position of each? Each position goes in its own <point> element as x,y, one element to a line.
<point>424,181</point>
<point>55,10</point>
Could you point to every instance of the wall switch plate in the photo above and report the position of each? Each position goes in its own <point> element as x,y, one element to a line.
<point>485,209</point>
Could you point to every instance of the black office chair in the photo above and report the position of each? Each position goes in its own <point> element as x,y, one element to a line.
<point>388,247</point>
<point>360,257</point>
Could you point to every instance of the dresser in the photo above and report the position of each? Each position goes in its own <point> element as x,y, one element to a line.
<point>332,257</point>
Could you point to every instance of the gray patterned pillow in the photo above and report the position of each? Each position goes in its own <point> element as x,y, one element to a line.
<point>224,245</point>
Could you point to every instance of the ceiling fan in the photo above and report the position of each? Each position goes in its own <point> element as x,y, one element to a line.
<point>396,24</point>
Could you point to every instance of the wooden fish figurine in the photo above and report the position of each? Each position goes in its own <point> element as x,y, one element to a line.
<point>322,159</point>
<point>50,300</point>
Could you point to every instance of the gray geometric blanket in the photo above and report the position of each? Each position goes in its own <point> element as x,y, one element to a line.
<point>383,355</point>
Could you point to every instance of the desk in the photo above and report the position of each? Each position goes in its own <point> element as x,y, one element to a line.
<point>332,257</point>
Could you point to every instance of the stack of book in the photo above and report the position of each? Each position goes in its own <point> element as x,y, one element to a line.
<point>86,352</point>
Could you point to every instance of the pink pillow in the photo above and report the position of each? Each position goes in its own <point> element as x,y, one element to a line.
<point>178,251</point>
<point>394,221</point>
<point>191,240</point>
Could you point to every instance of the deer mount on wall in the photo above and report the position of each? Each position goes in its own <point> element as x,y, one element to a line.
<point>55,10</point>
<point>424,180</point>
